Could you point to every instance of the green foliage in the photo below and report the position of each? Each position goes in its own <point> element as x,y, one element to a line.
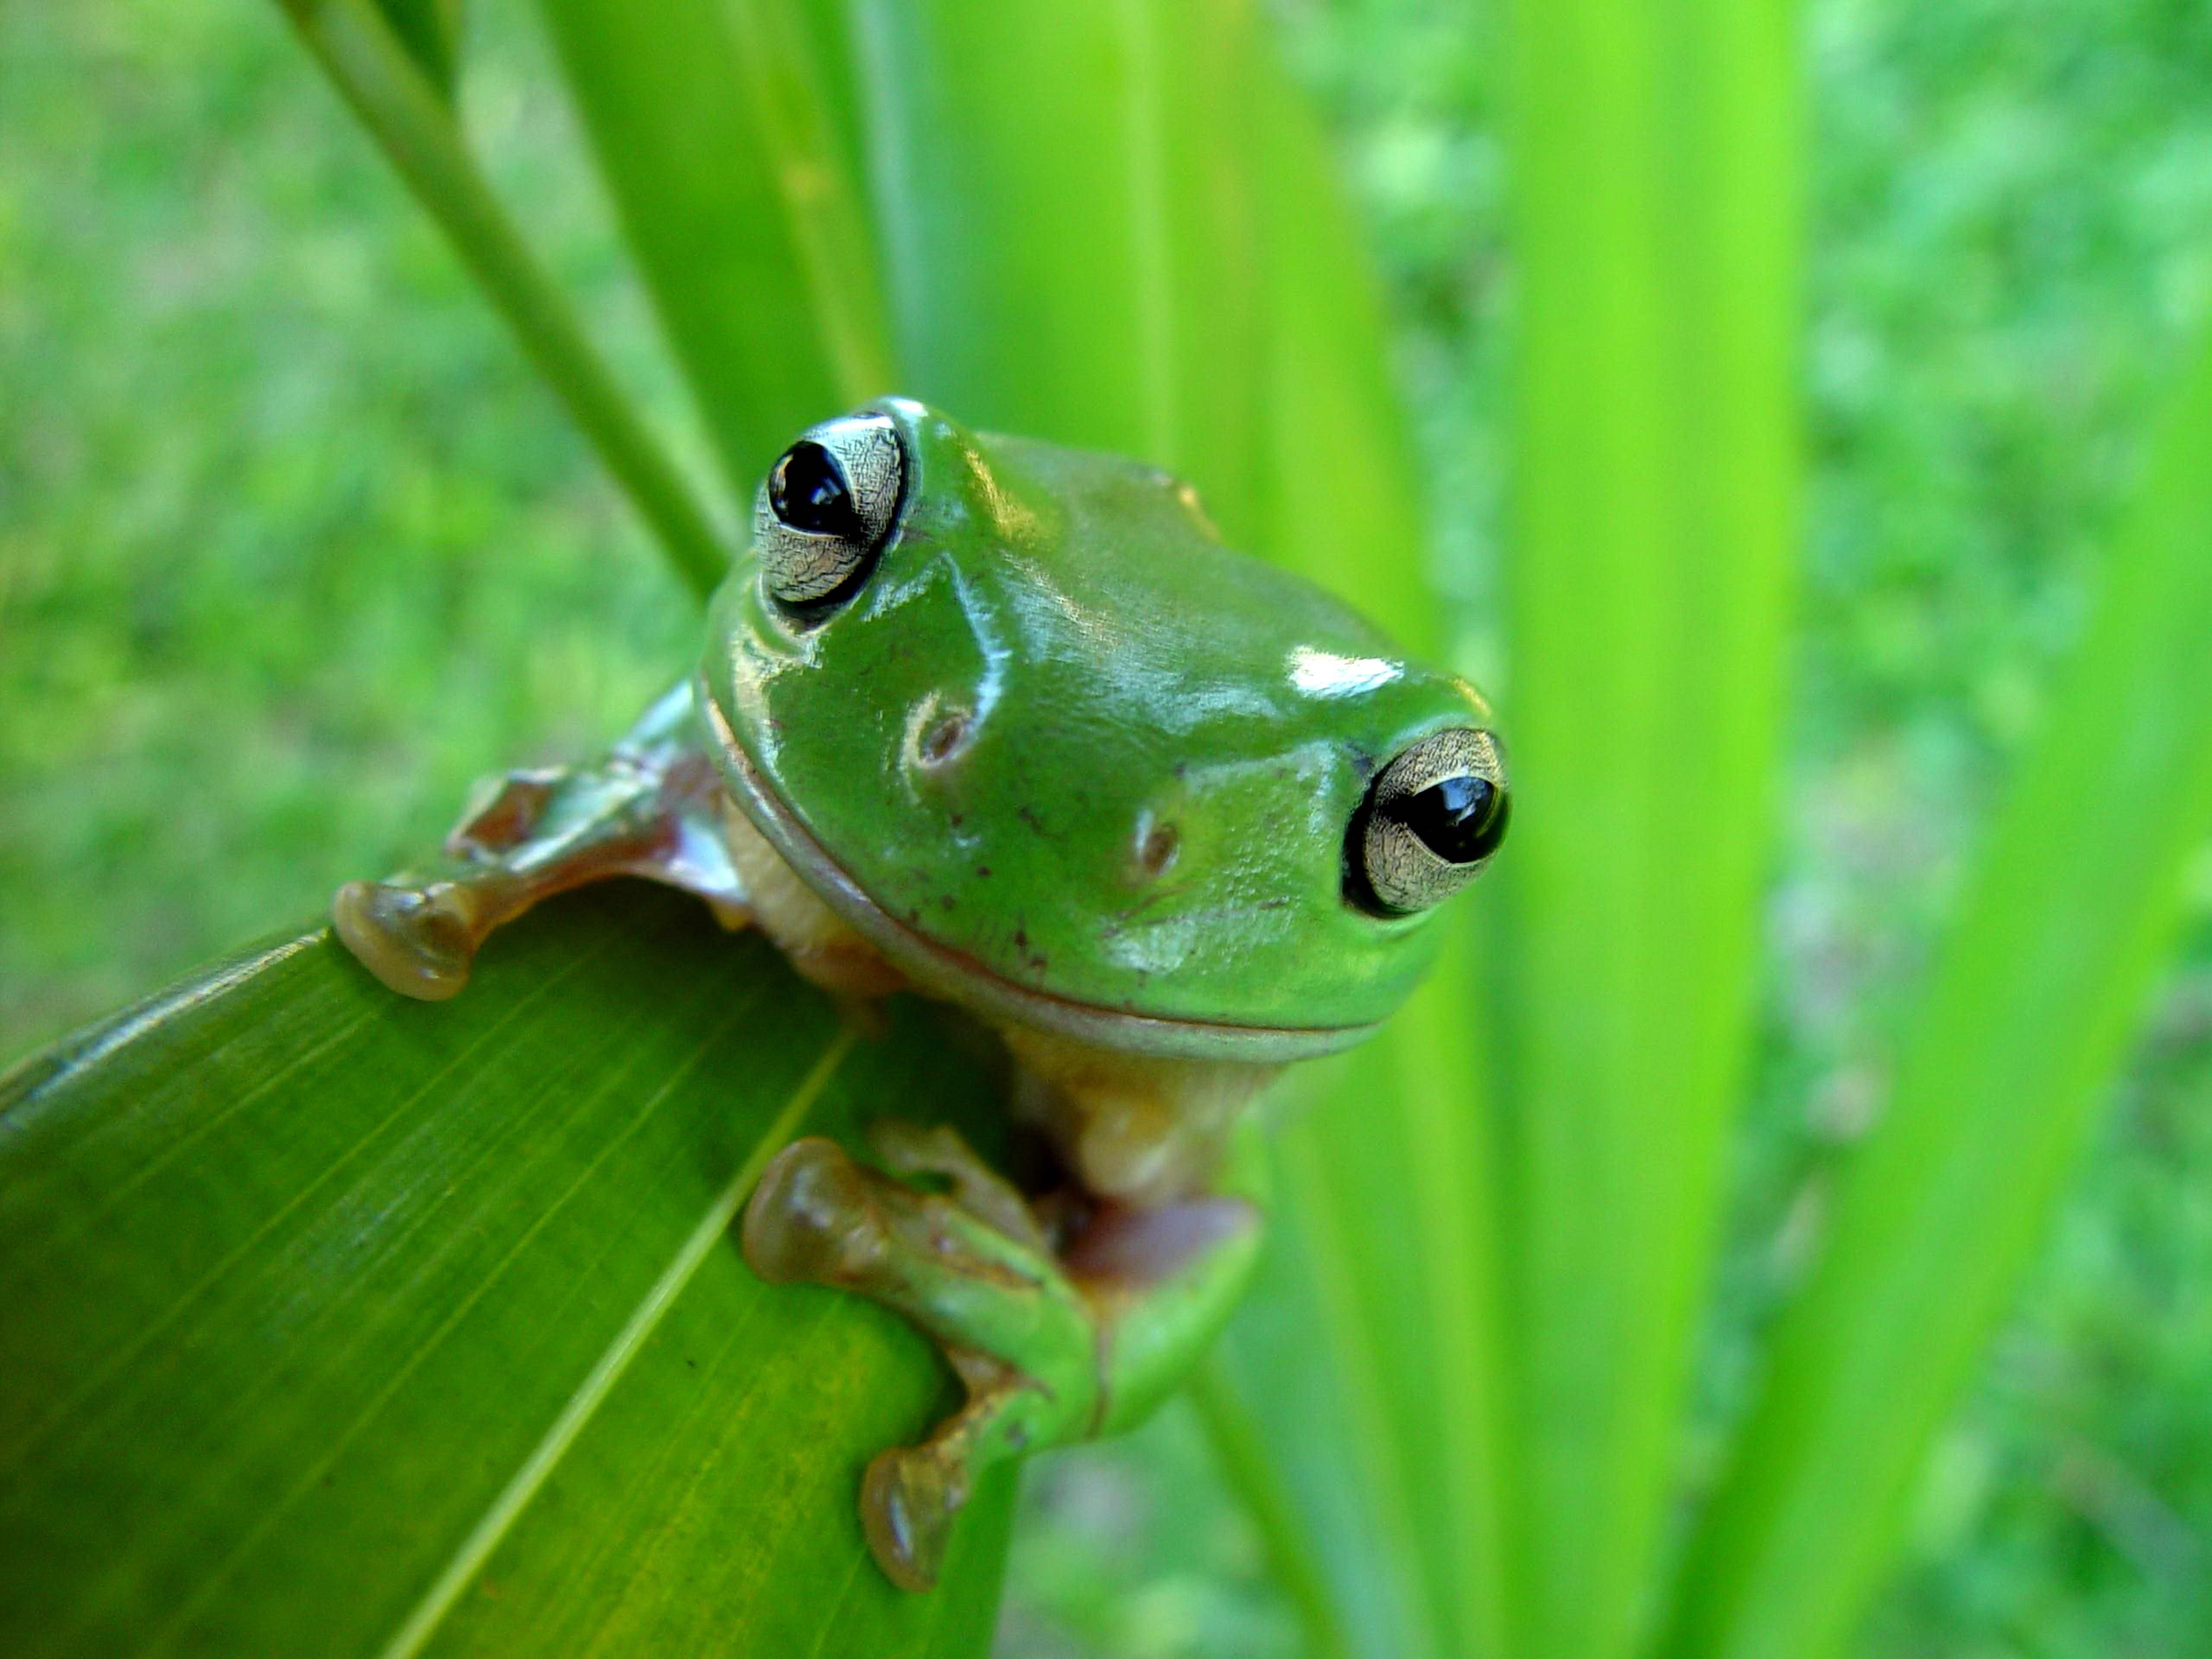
<point>2023,1023</point>
<point>715,136</point>
<point>342,1324</point>
<point>431,31</point>
<point>1658,218</point>
<point>386,79</point>
<point>1468,1368</point>
<point>242,522</point>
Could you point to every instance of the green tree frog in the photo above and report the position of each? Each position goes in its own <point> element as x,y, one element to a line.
<point>1004,724</point>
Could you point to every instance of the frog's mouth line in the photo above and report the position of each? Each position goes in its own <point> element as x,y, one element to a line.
<point>954,976</point>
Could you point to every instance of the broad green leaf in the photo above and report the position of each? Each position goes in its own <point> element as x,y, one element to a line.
<point>372,68</point>
<point>343,1324</point>
<point>720,137</point>
<point>2065,925</point>
<point>1656,181</point>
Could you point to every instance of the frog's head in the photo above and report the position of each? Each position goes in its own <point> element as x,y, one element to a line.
<point>1019,717</point>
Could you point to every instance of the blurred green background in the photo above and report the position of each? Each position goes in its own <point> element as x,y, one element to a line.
<point>293,545</point>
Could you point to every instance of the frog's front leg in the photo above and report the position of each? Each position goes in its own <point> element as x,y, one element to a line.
<point>1054,1346</point>
<point>651,807</point>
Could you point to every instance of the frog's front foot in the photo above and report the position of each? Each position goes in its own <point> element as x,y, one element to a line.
<point>420,941</point>
<point>650,807</point>
<point>1021,1335</point>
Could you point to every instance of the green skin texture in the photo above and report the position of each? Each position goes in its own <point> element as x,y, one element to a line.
<point>1062,759</point>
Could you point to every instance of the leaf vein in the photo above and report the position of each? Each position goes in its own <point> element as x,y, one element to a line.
<point>416,1631</point>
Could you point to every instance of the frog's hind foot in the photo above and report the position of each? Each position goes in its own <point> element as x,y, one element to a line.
<point>810,1218</point>
<point>420,941</point>
<point>1054,1344</point>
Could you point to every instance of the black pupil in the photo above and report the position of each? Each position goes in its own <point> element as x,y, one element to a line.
<point>1462,819</point>
<point>809,492</point>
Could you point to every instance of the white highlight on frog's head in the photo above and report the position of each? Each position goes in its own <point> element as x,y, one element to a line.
<point>1325,674</point>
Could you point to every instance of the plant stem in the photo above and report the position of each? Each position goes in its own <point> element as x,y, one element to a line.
<point>1291,1558</point>
<point>365,60</point>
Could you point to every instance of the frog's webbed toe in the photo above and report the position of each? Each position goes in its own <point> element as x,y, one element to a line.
<point>911,1495</point>
<point>811,1218</point>
<point>912,1149</point>
<point>420,941</point>
<point>908,1500</point>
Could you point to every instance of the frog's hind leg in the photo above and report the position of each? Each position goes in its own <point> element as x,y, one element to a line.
<point>1053,1349</point>
<point>651,807</point>
<point>1019,1334</point>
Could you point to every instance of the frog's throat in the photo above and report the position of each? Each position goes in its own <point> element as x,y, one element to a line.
<point>938,969</point>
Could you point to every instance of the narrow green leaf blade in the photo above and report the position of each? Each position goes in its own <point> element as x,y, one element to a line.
<point>340,1323</point>
<point>2065,925</point>
<point>1065,207</point>
<point>1385,1262</point>
<point>1340,500</point>
<point>718,134</point>
<point>1656,204</point>
<point>371,66</point>
<point>431,31</point>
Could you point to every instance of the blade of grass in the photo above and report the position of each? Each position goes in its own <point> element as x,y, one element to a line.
<point>372,69</point>
<point>716,130</point>
<point>2067,920</point>
<point>1384,1220</point>
<point>1341,502</point>
<point>1398,1230</point>
<point>1656,210</point>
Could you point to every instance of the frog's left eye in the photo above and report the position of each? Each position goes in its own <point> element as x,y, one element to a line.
<point>1430,821</point>
<point>827,508</point>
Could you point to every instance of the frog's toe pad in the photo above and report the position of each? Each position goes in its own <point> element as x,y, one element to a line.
<point>812,1217</point>
<point>908,1500</point>
<point>417,944</point>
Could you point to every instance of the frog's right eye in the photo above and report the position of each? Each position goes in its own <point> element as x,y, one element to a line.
<point>827,509</point>
<point>1430,821</point>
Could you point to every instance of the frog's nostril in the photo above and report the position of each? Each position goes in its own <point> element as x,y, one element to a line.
<point>1157,848</point>
<point>942,738</point>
